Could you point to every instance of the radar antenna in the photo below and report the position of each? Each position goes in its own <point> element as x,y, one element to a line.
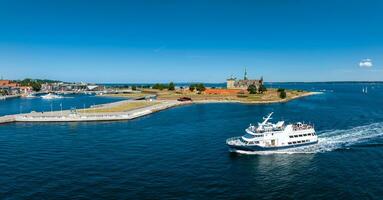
<point>267,118</point>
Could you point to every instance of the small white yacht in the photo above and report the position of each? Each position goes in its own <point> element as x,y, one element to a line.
<point>51,96</point>
<point>273,137</point>
<point>30,95</point>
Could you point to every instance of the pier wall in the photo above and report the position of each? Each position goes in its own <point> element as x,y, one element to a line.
<point>7,119</point>
<point>67,116</point>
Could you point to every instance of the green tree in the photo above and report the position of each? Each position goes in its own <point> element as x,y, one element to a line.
<point>282,94</point>
<point>158,86</point>
<point>134,87</point>
<point>262,88</point>
<point>280,89</point>
<point>252,89</point>
<point>171,86</point>
<point>200,87</point>
<point>192,87</point>
<point>35,86</point>
<point>155,86</point>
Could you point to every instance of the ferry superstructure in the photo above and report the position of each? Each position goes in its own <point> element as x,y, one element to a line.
<point>271,137</point>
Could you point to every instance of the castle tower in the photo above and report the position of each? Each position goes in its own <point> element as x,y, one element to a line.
<point>245,75</point>
<point>230,83</point>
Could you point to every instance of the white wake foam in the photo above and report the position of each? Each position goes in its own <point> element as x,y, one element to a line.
<point>338,139</point>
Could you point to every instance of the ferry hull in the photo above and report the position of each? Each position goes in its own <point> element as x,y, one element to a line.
<point>256,148</point>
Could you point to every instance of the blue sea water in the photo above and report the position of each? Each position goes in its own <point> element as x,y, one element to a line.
<point>180,153</point>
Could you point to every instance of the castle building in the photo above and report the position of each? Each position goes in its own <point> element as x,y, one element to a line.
<point>233,83</point>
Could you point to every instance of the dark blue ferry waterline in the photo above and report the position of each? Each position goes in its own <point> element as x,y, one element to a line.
<point>181,153</point>
<point>255,148</point>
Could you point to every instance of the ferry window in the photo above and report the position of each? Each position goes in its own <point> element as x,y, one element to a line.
<point>248,136</point>
<point>256,142</point>
<point>294,142</point>
<point>307,140</point>
<point>295,135</point>
<point>300,135</point>
<point>304,134</point>
<point>289,143</point>
<point>291,136</point>
<point>309,134</point>
<point>298,141</point>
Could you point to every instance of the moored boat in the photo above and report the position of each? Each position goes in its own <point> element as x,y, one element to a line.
<point>51,96</point>
<point>30,95</point>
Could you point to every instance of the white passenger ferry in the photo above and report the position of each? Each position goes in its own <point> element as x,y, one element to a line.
<point>269,137</point>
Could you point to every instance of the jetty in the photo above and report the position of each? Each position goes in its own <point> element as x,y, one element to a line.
<point>122,110</point>
<point>9,97</point>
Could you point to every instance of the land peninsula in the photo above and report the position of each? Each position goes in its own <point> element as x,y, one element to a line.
<point>272,95</point>
<point>144,100</point>
<point>243,90</point>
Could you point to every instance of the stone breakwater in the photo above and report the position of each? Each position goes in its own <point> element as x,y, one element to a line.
<point>68,116</point>
<point>8,97</point>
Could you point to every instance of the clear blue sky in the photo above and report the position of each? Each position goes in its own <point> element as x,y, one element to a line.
<point>182,41</point>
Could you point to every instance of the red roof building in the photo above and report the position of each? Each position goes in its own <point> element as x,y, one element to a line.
<point>8,83</point>
<point>224,91</point>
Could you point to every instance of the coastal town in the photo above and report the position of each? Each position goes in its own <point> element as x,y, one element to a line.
<point>141,99</point>
<point>23,88</point>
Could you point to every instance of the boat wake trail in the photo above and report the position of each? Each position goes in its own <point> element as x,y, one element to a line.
<point>340,139</point>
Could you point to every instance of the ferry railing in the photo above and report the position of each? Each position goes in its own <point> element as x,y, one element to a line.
<point>234,141</point>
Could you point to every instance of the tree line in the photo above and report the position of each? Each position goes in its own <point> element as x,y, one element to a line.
<point>252,89</point>
<point>35,83</point>
<point>159,86</point>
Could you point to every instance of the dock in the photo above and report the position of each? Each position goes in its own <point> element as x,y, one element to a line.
<point>7,119</point>
<point>9,97</point>
<point>70,116</point>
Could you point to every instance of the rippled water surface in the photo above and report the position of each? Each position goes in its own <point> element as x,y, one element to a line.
<point>38,104</point>
<point>181,154</point>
